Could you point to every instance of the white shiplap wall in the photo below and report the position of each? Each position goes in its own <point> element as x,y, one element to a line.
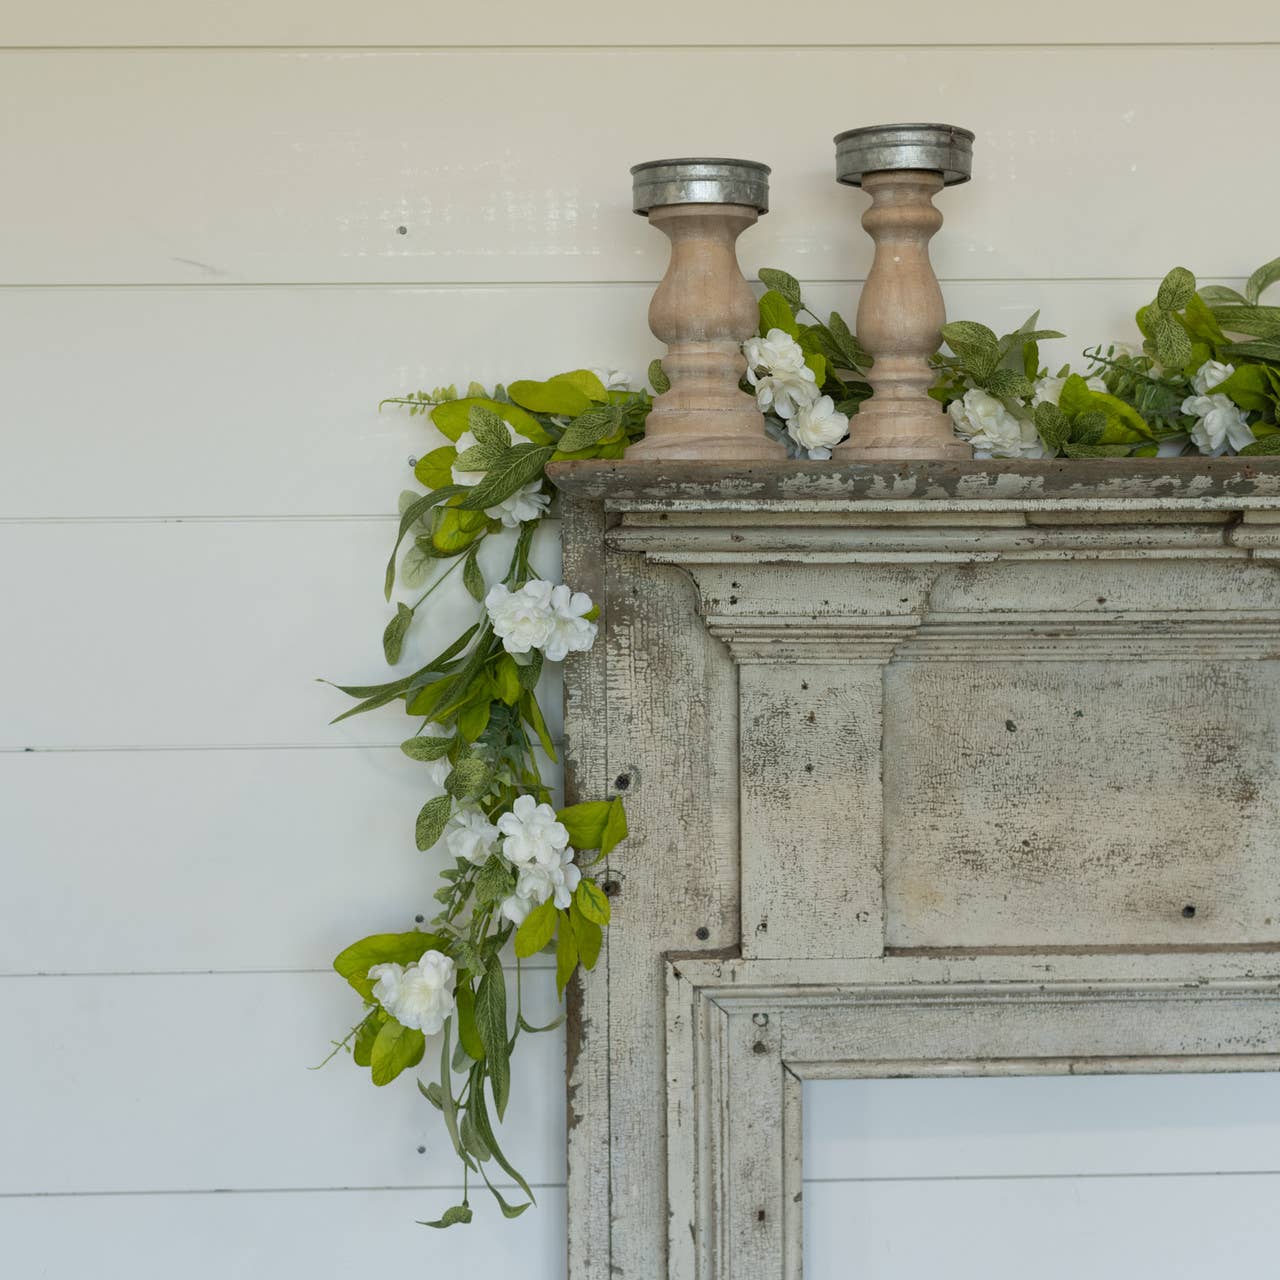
<point>204,290</point>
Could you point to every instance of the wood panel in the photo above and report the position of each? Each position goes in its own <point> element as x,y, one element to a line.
<point>325,839</point>
<point>578,22</point>
<point>211,634</point>
<point>199,1082</point>
<point>276,166</point>
<point>1109,1228</point>
<point>1040,1126</point>
<point>289,425</point>
<point>212,1236</point>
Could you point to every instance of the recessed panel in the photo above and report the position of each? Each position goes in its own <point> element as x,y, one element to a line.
<point>1082,803</point>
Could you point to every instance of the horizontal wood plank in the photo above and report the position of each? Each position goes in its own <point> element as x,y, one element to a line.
<point>322,1234</point>
<point>1110,1228</point>
<point>213,634</point>
<point>199,1082</point>
<point>325,839</point>
<point>293,427</point>
<point>207,166</point>
<point>1039,1126</point>
<point>578,22</point>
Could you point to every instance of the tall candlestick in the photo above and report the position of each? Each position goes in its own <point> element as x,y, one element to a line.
<point>901,311</point>
<point>704,309</point>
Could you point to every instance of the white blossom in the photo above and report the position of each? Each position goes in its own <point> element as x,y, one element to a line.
<point>613,379</point>
<point>992,430</point>
<point>470,835</point>
<point>515,908</point>
<point>522,619</point>
<point>571,632</point>
<point>1049,390</point>
<point>1222,423</point>
<point>527,503</point>
<point>538,881</point>
<point>777,371</point>
<point>1209,375</point>
<point>532,833</point>
<point>419,995</point>
<point>437,770</point>
<point>818,426</point>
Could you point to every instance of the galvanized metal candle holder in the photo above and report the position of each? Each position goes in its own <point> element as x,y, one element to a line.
<point>704,309</point>
<point>901,311</point>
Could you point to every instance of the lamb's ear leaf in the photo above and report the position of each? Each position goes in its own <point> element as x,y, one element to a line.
<point>1262,279</point>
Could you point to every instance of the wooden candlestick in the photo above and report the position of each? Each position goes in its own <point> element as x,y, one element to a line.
<point>901,311</point>
<point>703,310</point>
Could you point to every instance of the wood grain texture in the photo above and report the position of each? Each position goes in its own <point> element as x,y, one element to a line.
<point>206,166</point>
<point>199,1082</point>
<point>577,22</point>
<point>289,426</point>
<point>212,1235</point>
<point>235,620</point>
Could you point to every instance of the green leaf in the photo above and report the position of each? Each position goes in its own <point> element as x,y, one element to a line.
<point>781,283</point>
<point>817,363</point>
<point>536,930</point>
<point>1218,294</point>
<point>1176,290</point>
<point>355,961</point>
<point>1258,322</point>
<point>1052,425</point>
<point>454,417</point>
<point>393,636</point>
<point>558,396</point>
<point>520,465</point>
<point>1007,382</point>
<point>1261,280</point>
<point>432,1093</point>
<point>1202,324</point>
<point>409,517</point>
<point>615,827</point>
<point>1249,387</point>
<point>532,713</point>
<point>454,530</point>
<point>480,1115</point>
<point>435,469</point>
<point>473,1141</point>
<point>506,680</point>
<point>459,1213</point>
<point>1257,350</point>
<point>473,719</point>
<point>508,1210</point>
<point>431,821</point>
<point>975,346</point>
<point>491,1019</point>
<point>488,427</point>
<point>590,428</point>
<point>427,748</point>
<point>658,379</point>
<point>592,902</point>
<point>448,1107</point>
<point>362,1048</point>
<point>472,577</point>
<point>566,951</point>
<point>468,1032</point>
<point>1261,448</point>
<point>470,778</point>
<point>853,355</point>
<point>585,822</point>
<point>776,313</point>
<point>395,1048</point>
<point>494,882</point>
<point>531,670</point>
<point>587,936</point>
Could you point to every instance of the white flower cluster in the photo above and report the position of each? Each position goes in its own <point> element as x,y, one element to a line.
<point>527,503</point>
<point>1221,421</point>
<point>540,616</point>
<point>537,846</point>
<point>786,386</point>
<point>417,995</point>
<point>992,429</point>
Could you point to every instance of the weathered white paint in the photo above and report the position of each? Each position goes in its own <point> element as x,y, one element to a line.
<point>271,166</point>
<point>206,397</point>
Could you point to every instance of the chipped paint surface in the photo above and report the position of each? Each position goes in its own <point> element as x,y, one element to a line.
<point>931,767</point>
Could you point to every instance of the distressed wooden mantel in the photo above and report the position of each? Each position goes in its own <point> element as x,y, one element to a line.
<point>931,768</point>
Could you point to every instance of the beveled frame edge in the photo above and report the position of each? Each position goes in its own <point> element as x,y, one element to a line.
<point>735,1067</point>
